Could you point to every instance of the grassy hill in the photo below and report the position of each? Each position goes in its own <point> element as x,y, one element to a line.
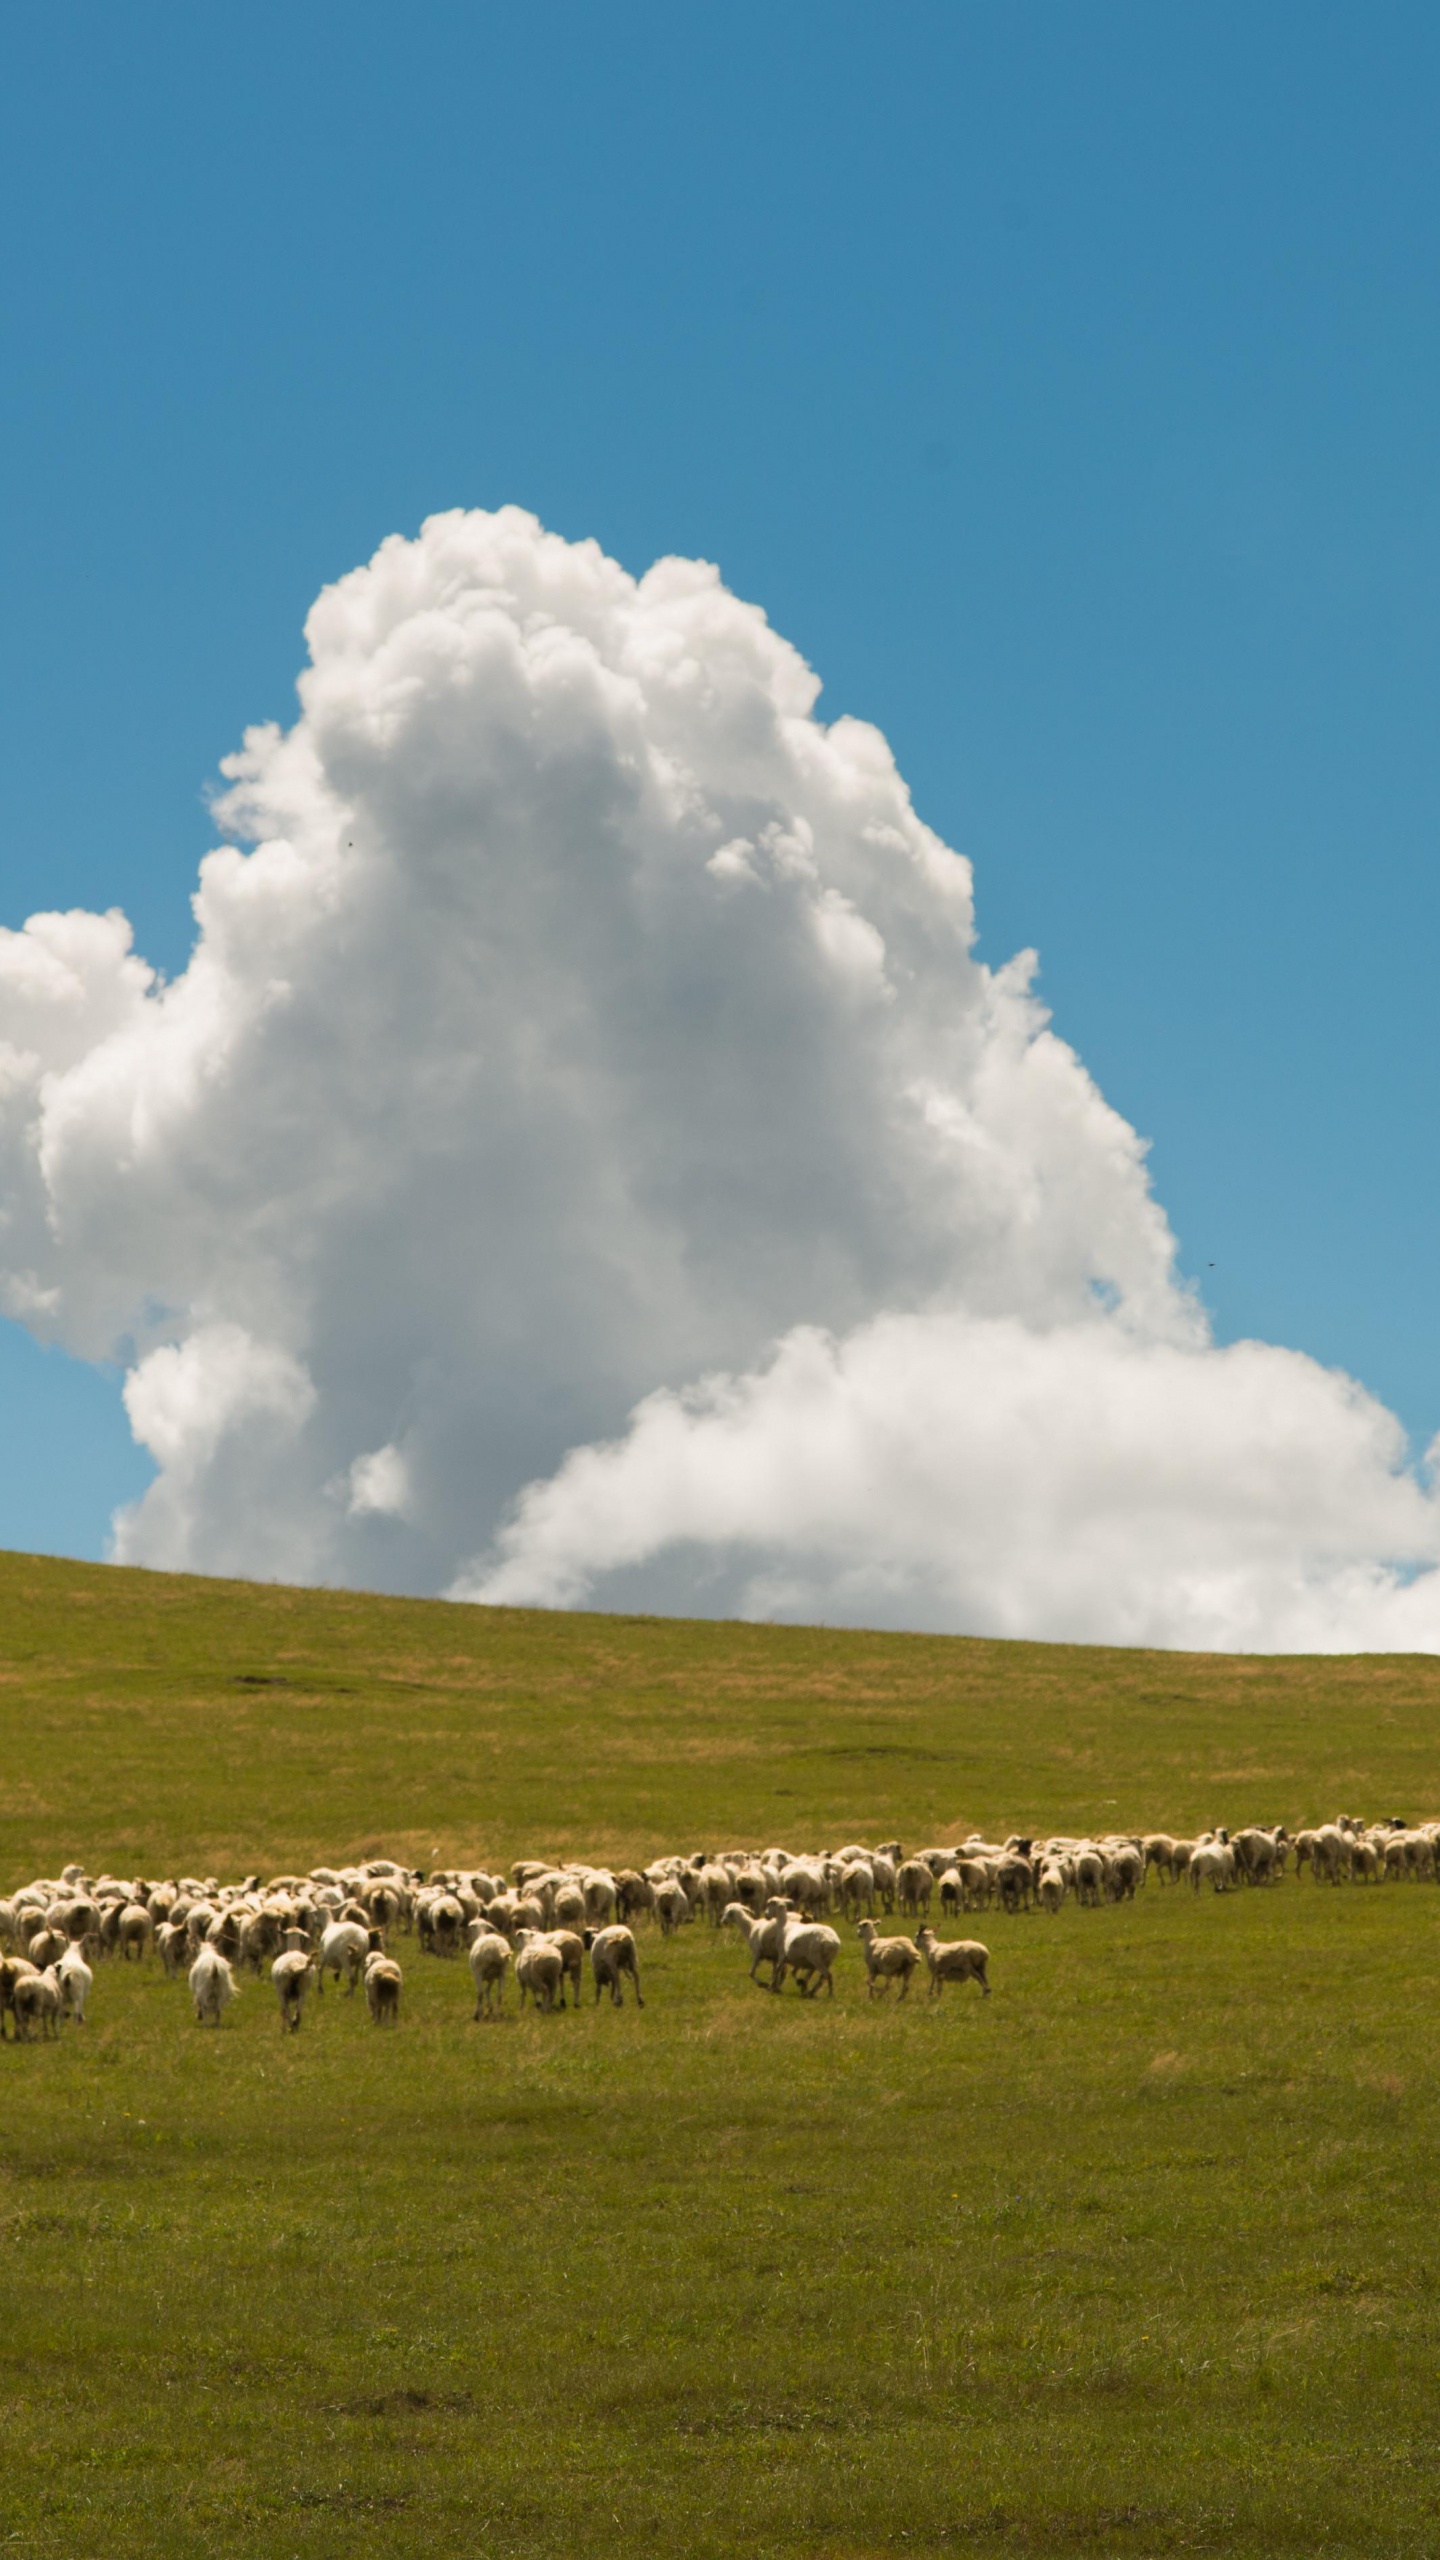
<point>1139,2256</point>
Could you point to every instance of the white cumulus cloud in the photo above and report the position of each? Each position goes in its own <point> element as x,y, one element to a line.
<point>584,1156</point>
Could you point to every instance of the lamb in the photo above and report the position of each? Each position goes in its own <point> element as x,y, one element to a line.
<point>887,1960</point>
<point>489,1963</point>
<point>955,1960</point>
<point>212,1986</point>
<point>612,1956</point>
<point>291,1975</point>
<point>383,1980</point>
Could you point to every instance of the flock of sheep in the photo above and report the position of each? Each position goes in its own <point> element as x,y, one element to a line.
<point>542,1923</point>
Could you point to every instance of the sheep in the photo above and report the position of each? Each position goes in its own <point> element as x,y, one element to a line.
<point>46,1946</point>
<point>13,1969</point>
<point>1210,1862</point>
<point>808,1950</point>
<point>170,1946</point>
<point>672,1907</point>
<point>1089,1878</point>
<point>383,1980</point>
<point>569,1944</point>
<point>599,1889</point>
<point>567,1908</point>
<point>343,1949</point>
<point>1052,1887</point>
<point>612,1956</point>
<point>212,1986</point>
<point>539,1969</point>
<point>291,1974</point>
<point>489,1962</point>
<point>954,1960</point>
<point>76,1983</point>
<point>914,1884</point>
<point>261,1935</point>
<point>764,1936</point>
<point>887,1960</point>
<point>134,1932</point>
<point>37,1996</point>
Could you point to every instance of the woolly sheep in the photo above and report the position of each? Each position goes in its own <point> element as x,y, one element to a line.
<point>612,1956</point>
<point>212,1986</point>
<point>887,1960</point>
<point>489,1962</point>
<point>808,1950</point>
<point>383,1981</point>
<point>291,1974</point>
<point>954,1960</point>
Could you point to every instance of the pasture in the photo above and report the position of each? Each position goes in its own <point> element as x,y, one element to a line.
<point>1138,2256</point>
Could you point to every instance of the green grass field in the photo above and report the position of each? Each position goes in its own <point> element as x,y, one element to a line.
<point>1139,2256</point>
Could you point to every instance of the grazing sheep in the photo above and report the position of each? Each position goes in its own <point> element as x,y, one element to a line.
<point>212,1986</point>
<point>887,1960</point>
<point>956,1960</point>
<point>489,1963</point>
<point>612,1956</point>
<point>383,1981</point>
<point>291,1974</point>
<point>672,1907</point>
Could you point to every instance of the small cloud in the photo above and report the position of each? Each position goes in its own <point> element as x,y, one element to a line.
<point>379,1483</point>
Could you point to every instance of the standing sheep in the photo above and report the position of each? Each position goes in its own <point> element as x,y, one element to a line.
<point>489,1962</point>
<point>212,1986</point>
<point>612,1956</point>
<point>291,1974</point>
<point>383,1980</point>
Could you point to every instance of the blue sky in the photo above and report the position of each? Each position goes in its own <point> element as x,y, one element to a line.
<point>1063,382</point>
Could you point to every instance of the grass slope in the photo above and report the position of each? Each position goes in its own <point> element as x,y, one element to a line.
<point>1139,2256</point>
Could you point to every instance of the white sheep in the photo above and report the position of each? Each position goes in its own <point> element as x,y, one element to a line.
<point>37,1997</point>
<point>887,1960</point>
<point>954,1960</point>
<point>764,1937</point>
<point>291,1974</point>
<point>212,1986</point>
<point>539,1970</point>
<point>489,1963</point>
<point>383,1981</point>
<point>612,1956</point>
<point>343,1949</point>
<point>76,1983</point>
<point>808,1950</point>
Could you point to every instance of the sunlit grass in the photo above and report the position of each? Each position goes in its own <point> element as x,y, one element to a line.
<point>1138,2256</point>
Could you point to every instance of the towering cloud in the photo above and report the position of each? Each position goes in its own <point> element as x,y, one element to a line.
<point>584,1157</point>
